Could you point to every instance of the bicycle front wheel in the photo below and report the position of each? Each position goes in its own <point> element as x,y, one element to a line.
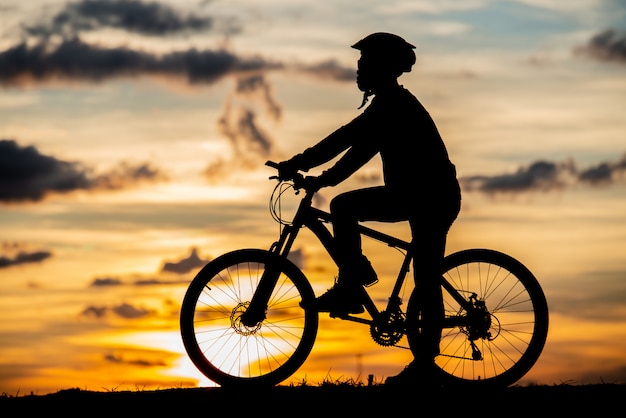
<point>496,319</point>
<point>231,353</point>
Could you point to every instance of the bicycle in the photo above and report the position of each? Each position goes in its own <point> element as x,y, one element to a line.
<point>242,324</point>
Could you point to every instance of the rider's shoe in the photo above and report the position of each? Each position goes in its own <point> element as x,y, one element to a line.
<point>422,374</point>
<point>340,300</point>
<point>366,273</point>
<point>359,269</point>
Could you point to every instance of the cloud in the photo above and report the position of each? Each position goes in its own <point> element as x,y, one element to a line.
<point>609,45</point>
<point>240,126</point>
<point>330,70</point>
<point>147,18</point>
<point>55,50</point>
<point>546,176</point>
<point>106,281</point>
<point>28,175</point>
<point>125,174</point>
<point>239,123</point>
<point>256,86</point>
<point>605,172</point>
<point>119,359</point>
<point>25,174</point>
<point>126,310</point>
<point>192,262</point>
<point>541,175</point>
<point>95,311</point>
<point>182,266</point>
<point>75,60</point>
<point>147,281</point>
<point>123,310</point>
<point>24,258</point>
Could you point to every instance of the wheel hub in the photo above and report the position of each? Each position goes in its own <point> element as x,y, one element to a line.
<point>480,322</point>
<point>238,324</point>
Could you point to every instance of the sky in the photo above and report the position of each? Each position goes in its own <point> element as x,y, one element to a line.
<point>133,136</point>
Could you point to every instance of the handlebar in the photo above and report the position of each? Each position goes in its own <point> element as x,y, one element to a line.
<point>271,164</point>
<point>297,178</point>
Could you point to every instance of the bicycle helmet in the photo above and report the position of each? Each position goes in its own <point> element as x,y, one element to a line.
<point>397,53</point>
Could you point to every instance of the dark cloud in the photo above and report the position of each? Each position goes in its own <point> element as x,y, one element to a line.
<point>541,175</point>
<point>24,258</point>
<point>192,262</point>
<point>256,86</point>
<point>28,175</point>
<point>126,310</point>
<point>156,282</point>
<point>609,45</point>
<point>605,172</point>
<point>25,174</point>
<point>119,359</point>
<point>546,176</point>
<point>149,281</point>
<point>75,60</point>
<point>55,49</point>
<point>123,310</point>
<point>248,140</point>
<point>125,174</point>
<point>95,311</point>
<point>106,281</point>
<point>147,18</point>
<point>251,144</point>
<point>330,70</point>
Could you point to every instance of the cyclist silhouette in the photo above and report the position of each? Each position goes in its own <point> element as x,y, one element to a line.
<point>420,186</point>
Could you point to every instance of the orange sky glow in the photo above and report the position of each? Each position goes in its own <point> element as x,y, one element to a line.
<point>120,179</point>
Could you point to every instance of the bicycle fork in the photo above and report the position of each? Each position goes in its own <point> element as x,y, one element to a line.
<point>255,313</point>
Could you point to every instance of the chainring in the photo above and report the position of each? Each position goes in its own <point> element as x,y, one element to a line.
<point>388,329</point>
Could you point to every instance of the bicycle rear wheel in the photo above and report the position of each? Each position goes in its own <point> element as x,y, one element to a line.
<point>231,353</point>
<point>499,339</point>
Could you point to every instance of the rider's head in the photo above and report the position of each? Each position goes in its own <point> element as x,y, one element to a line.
<point>384,57</point>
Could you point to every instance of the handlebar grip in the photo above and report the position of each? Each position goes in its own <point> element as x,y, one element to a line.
<point>271,164</point>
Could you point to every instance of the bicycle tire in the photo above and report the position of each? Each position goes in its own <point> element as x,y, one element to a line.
<point>518,320</point>
<point>228,352</point>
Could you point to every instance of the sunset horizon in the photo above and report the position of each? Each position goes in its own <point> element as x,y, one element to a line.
<point>133,142</point>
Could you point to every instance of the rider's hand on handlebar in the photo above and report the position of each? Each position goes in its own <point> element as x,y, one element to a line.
<point>312,183</point>
<point>287,170</point>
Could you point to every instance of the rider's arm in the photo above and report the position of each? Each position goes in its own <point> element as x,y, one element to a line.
<point>358,132</point>
<point>322,152</point>
<point>356,156</point>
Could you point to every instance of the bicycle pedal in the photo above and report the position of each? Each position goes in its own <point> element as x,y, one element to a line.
<point>342,315</point>
<point>370,283</point>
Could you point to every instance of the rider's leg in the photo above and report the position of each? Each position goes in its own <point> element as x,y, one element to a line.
<point>429,242</point>
<point>347,243</point>
<point>347,210</point>
<point>428,249</point>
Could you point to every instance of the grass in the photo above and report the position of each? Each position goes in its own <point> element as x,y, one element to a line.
<point>332,397</point>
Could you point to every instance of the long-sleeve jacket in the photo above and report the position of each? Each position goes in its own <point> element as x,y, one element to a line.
<point>396,125</point>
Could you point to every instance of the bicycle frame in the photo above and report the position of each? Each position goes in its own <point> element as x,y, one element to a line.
<point>314,219</point>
